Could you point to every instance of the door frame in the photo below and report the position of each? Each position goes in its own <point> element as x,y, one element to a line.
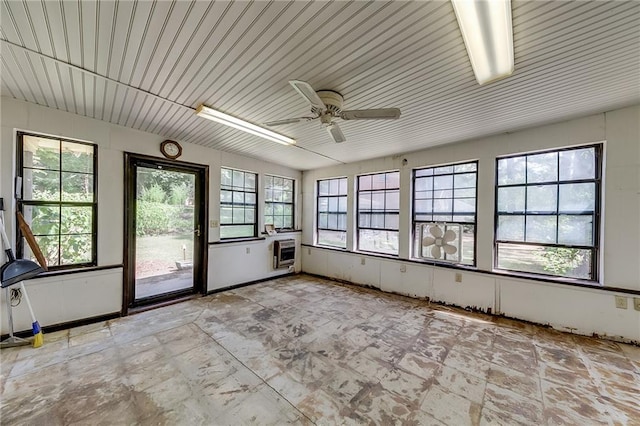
<point>200,249</point>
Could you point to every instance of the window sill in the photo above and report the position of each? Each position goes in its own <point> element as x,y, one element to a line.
<point>549,278</point>
<point>288,231</point>
<point>236,240</point>
<point>70,271</point>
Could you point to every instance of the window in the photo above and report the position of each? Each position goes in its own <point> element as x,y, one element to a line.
<point>444,213</point>
<point>238,201</point>
<point>547,208</point>
<point>278,202</point>
<point>59,199</point>
<point>378,212</point>
<point>332,212</point>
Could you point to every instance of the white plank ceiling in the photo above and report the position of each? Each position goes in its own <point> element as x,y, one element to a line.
<point>148,64</point>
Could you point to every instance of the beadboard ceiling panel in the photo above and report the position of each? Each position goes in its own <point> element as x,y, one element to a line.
<point>147,65</point>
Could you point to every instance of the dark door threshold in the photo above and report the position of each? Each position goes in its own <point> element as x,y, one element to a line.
<point>160,304</point>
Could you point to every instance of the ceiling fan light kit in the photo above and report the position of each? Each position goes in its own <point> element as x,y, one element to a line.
<point>326,105</point>
<point>245,126</point>
<point>487,32</point>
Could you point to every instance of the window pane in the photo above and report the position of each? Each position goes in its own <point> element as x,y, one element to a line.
<point>443,182</point>
<point>443,170</point>
<point>226,177</point>
<point>288,210</point>
<point>342,222</point>
<point>578,164</point>
<point>77,187</point>
<point>541,229</point>
<point>377,201</point>
<point>333,221</point>
<point>249,215</point>
<point>43,220</point>
<point>250,198</point>
<point>288,184</point>
<point>464,205</point>
<point>225,196</point>
<point>278,182</point>
<point>510,228</point>
<point>424,172</point>
<point>323,220</point>
<point>443,193</point>
<point>542,167</point>
<point>378,241</point>
<point>334,187</point>
<point>364,201</point>
<point>511,199</point>
<point>464,193</point>
<point>468,167</point>
<point>288,222</point>
<point>577,197</point>
<point>343,186</point>
<point>442,217</point>
<point>268,181</point>
<point>332,238</point>
<point>392,200</point>
<point>377,221</point>
<point>323,187</point>
<point>226,215</point>
<point>41,185</point>
<point>75,249</point>
<point>423,206</point>
<point>77,157</point>
<point>238,179</point>
<point>575,230</point>
<point>76,220</point>
<point>238,197</point>
<point>342,204</point>
<point>236,231</point>
<point>467,180</point>
<point>288,196</point>
<point>250,181</point>
<point>238,215</point>
<point>49,248</point>
<point>511,170</point>
<point>364,220</point>
<point>392,221</point>
<point>278,222</point>
<point>542,198</point>
<point>41,153</point>
<point>323,204</point>
<point>556,261</point>
<point>393,180</point>
<point>424,184</point>
<point>333,204</point>
<point>443,205</point>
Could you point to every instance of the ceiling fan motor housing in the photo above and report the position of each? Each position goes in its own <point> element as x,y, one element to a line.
<point>332,100</point>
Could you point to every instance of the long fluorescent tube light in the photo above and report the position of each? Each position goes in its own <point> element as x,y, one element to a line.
<point>245,126</point>
<point>488,34</point>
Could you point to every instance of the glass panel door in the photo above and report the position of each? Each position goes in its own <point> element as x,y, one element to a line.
<point>165,244</point>
<point>165,227</point>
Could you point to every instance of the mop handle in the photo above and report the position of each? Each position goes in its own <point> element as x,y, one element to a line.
<point>5,239</point>
<point>26,298</point>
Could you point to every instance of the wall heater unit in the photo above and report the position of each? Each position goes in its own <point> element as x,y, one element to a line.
<point>284,253</point>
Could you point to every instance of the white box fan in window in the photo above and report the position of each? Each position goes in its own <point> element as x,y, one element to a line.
<point>441,241</point>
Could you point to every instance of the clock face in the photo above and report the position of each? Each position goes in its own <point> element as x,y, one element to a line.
<point>171,149</point>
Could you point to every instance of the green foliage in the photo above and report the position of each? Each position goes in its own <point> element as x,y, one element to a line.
<point>560,260</point>
<point>153,194</point>
<point>179,194</point>
<point>158,219</point>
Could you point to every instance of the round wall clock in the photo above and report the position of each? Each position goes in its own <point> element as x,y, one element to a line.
<point>171,149</point>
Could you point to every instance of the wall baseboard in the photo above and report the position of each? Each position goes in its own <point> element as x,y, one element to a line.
<point>261,280</point>
<point>66,325</point>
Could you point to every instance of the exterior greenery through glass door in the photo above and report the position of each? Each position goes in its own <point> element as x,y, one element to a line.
<point>238,202</point>
<point>548,210</point>
<point>59,198</point>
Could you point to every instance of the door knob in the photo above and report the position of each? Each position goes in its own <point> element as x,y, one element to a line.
<point>197,231</point>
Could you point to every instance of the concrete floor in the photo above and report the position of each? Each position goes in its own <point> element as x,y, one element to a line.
<point>301,350</point>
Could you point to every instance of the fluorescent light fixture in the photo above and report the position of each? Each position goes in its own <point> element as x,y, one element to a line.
<point>245,126</point>
<point>488,34</point>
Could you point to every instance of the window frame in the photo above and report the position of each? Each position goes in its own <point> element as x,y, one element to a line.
<point>232,203</point>
<point>597,212</point>
<point>21,202</point>
<point>383,212</point>
<point>414,222</point>
<point>283,203</point>
<point>318,196</point>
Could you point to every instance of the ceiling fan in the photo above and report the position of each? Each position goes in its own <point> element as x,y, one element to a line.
<point>326,105</point>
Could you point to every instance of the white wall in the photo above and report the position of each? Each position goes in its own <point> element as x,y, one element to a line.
<point>565,307</point>
<point>72,297</point>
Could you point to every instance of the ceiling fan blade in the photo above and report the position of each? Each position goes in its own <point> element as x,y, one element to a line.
<point>371,114</point>
<point>306,91</point>
<point>288,121</point>
<point>336,133</point>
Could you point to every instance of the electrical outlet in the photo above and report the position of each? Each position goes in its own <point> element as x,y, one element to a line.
<point>362,261</point>
<point>403,268</point>
<point>621,302</point>
<point>248,250</point>
<point>213,223</point>
<point>636,303</point>
<point>458,277</point>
